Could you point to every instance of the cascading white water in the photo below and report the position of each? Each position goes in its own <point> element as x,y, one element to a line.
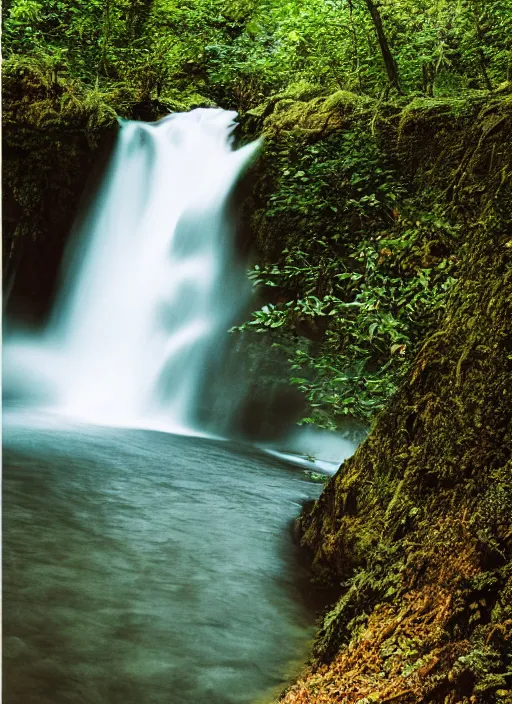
<point>155,282</point>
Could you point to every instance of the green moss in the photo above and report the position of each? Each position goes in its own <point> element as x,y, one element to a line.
<point>319,115</point>
<point>345,100</point>
<point>302,90</point>
<point>434,479</point>
<point>436,106</point>
<point>180,101</point>
<point>419,518</point>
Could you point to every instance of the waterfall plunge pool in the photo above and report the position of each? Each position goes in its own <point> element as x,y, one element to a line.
<point>143,567</point>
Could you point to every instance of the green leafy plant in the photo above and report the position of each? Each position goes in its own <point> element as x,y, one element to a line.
<point>360,282</point>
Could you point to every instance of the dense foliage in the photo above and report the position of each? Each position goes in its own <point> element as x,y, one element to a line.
<point>363,276</point>
<point>239,51</point>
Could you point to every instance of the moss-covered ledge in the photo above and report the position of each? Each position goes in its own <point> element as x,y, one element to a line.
<point>446,146</point>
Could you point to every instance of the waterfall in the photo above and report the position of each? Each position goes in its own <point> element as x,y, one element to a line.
<point>153,283</point>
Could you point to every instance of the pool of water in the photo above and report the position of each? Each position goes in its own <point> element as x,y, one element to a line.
<point>142,567</point>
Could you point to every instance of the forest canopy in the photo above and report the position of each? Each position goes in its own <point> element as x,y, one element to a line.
<point>238,52</point>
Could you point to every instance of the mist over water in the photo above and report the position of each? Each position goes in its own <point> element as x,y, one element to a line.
<point>153,283</point>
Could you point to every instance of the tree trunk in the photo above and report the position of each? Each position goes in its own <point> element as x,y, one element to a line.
<point>480,35</point>
<point>389,61</point>
<point>105,39</point>
<point>137,16</point>
<point>356,45</point>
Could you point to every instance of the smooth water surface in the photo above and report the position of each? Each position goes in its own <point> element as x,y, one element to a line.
<point>142,567</point>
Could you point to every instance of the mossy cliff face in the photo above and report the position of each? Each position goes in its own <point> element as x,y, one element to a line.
<point>52,134</point>
<point>415,530</point>
<point>289,123</point>
<point>360,214</point>
<point>439,149</point>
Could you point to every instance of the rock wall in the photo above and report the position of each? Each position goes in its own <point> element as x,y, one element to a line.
<point>414,531</point>
<point>52,136</point>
